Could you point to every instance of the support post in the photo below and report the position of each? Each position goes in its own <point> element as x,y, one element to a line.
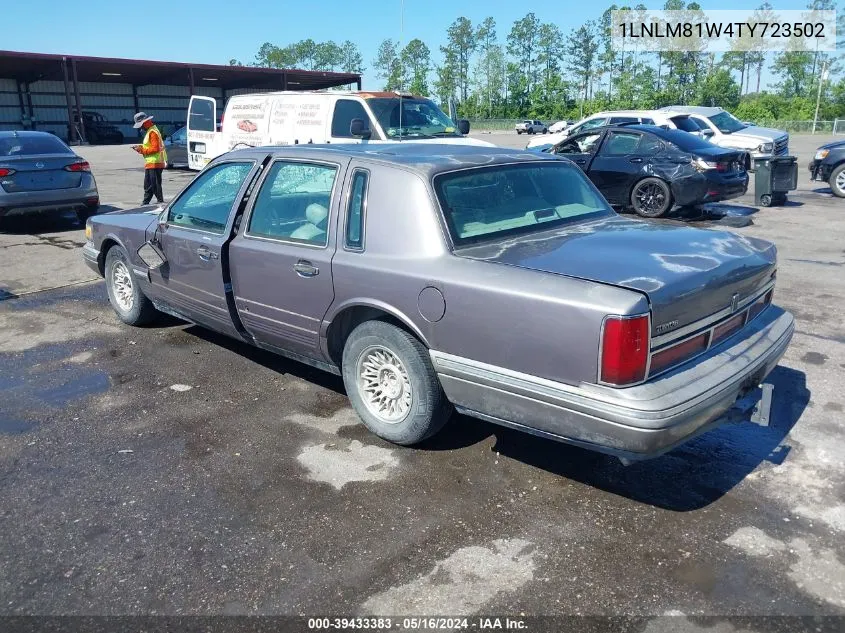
<point>359,84</point>
<point>191,80</point>
<point>78,100</point>
<point>284,81</point>
<point>71,136</point>
<point>29,103</point>
<point>23,107</point>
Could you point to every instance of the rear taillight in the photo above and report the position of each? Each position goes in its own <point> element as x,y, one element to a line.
<point>728,327</point>
<point>624,349</point>
<point>678,353</point>
<point>6,172</point>
<point>80,166</point>
<point>760,304</point>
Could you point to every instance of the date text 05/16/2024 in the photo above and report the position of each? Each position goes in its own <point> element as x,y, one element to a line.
<point>417,623</point>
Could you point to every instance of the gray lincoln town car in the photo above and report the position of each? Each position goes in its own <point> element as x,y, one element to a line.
<point>494,282</point>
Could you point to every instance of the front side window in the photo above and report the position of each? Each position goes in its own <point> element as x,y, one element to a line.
<point>500,201</point>
<point>412,117</point>
<point>585,144</point>
<point>207,203</point>
<point>620,144</point>
<point>294,203</point>
<point>344,111</point>
<point>589,125</point>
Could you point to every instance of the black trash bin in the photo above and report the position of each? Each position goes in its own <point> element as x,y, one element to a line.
<point>774,177</point>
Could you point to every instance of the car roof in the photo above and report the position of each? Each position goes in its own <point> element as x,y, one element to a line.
<point>25,134</point>
<point>426,159</point>
<point>702,110</point>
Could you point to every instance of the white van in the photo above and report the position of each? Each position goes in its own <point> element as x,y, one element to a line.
<point>291,118</point>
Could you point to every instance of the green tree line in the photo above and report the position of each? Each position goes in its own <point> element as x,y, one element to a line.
<point>534,69</point>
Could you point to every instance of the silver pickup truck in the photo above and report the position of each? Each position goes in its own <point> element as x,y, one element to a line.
<point>492,281</point>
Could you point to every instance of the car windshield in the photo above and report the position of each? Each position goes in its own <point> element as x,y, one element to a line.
<point>726,123</point>
<point>25,145</point>
<point>495,202</point>
<point>420,118</point>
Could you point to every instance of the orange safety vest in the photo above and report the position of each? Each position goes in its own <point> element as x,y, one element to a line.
<point>157,158</point>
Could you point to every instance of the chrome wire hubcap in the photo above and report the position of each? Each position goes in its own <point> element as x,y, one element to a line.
<point>840,181</point>
<point>121,284</point>
<point>384,384</point>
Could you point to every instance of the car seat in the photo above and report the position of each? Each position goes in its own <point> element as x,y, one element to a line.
<point>315,230</point>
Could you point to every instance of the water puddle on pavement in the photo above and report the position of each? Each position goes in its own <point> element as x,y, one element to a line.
<point>11,426</point>
<point>85,385</point>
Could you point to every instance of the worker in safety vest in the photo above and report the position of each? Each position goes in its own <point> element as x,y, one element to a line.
<point>155,156</point>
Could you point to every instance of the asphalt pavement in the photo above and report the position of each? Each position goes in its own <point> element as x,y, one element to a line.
<point>170,471</point>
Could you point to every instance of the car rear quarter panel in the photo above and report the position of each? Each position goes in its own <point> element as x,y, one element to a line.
<point>533,322</point>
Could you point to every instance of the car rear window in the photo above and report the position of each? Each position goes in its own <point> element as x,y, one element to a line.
<point>32,145</point>
<point>494,202</point>
<point>685,123</point>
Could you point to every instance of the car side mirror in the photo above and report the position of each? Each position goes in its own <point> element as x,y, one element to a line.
<point>151,255</point>
<point>708,132</point>
<point>463,126</point>
<point>359,129</point>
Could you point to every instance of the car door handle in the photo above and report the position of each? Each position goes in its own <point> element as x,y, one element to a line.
<point>304,268</point>
<point>206,254</point>
<point>636,160</point>
<point>581,161</point>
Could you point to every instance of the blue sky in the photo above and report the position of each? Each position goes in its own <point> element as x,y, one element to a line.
<point>214,31</point>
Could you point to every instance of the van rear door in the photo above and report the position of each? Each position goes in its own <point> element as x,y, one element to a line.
<point>203,138</point>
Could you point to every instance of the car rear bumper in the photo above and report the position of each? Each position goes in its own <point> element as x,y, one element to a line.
<point>709,187</point>
<point>26,202</point>
<point>636,422</point>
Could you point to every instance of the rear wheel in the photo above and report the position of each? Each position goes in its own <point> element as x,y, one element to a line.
<point>837,181</point>
<point>392,385</point>
<point>651,198</point>
<point>126,298</point>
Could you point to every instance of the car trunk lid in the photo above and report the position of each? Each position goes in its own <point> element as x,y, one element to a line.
<point>39,173</point>
<point>686,273</point>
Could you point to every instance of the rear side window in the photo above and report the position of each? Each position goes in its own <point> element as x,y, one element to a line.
<point>355,212</point>
<point>621,143</point>
<point>344,111</point>
<point>649,145</point>
<point>26,145</point>
<point>294,203</point>
<point>647,121</point>
<point>623,119</point>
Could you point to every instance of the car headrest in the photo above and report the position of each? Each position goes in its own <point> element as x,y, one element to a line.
<point>316,214</point>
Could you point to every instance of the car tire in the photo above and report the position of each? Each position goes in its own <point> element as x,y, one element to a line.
<point>651,198</point>
<point>837,181</point>
<point>415,407</point>
<point>765,200</point>
<point>518,132</point>
<point>128,301</point>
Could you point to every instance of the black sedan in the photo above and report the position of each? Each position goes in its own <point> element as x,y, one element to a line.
<point>828,165</point>
<point>651,169</point>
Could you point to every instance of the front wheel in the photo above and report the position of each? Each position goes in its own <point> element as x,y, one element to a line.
<point>651,198</point>
<point>392,385</point>
<point>765,200</point>
<point>131,305</point>
<point>837,181</point>
<point>518,132</point>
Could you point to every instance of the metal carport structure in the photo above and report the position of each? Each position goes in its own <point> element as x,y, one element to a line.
<point>36,87</point>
